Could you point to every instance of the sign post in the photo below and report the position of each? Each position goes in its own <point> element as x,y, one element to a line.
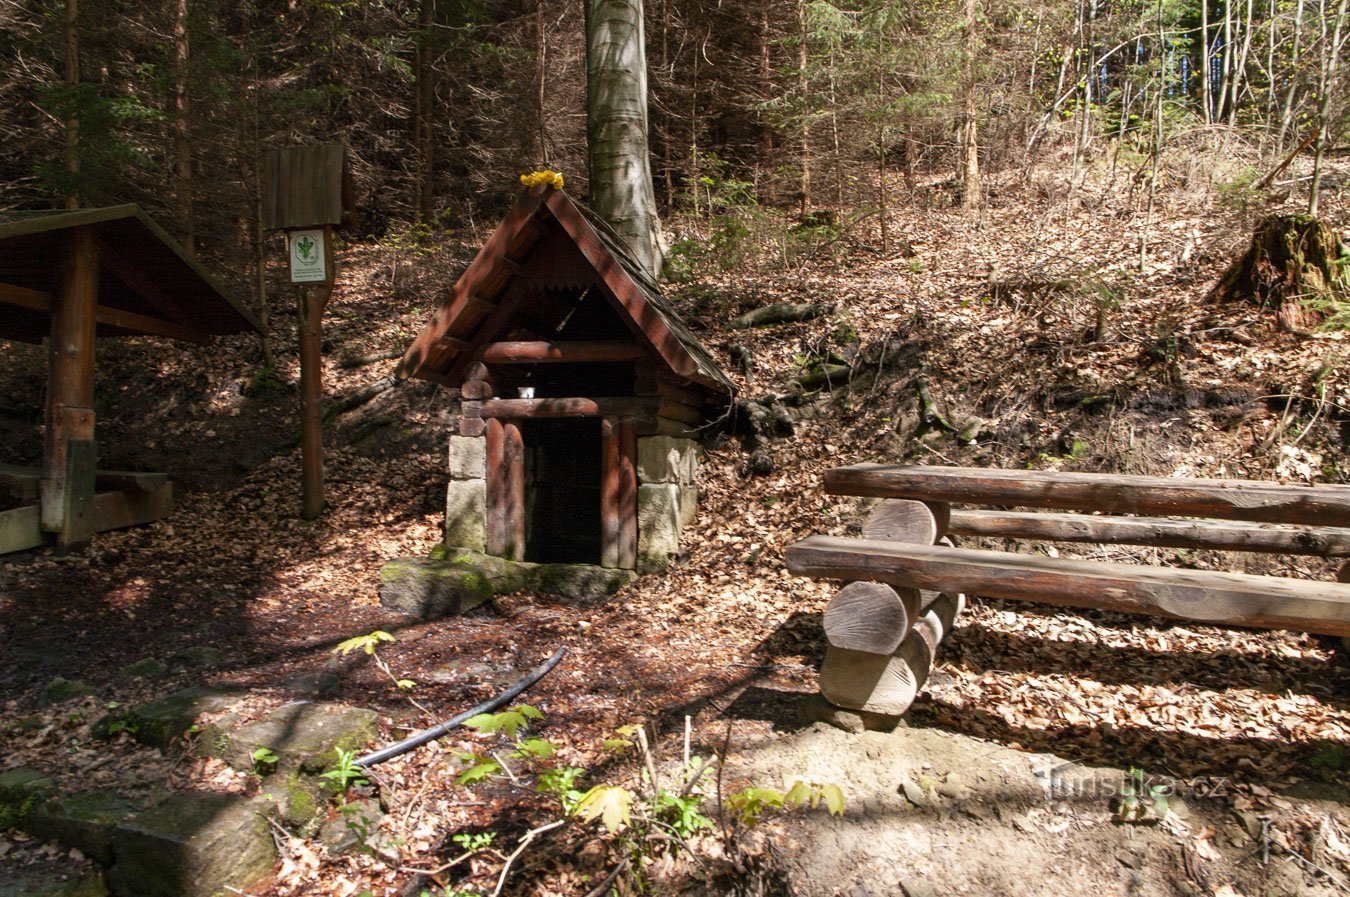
<point>308,195</point>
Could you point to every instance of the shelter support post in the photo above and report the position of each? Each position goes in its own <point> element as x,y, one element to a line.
<point>505,489</point>
<point>618,495</point>
<point>69,450</point>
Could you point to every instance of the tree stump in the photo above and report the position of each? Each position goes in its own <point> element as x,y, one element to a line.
<point>1295,264</point>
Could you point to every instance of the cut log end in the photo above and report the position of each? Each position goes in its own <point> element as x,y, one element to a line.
<point>870,616</point>
<point>904,520</point>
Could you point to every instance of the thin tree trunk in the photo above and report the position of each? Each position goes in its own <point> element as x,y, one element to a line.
<point>1287,118</point>
<point>1331,54</point>
<point>1157,143</point>
<point>1240,67</point>
<point>766,160</point>
<point>803,33</point>
<point>970,150</point>
<point>541,87</point>
<point>616,126</point>
<point>72,122</point>
<point>182,142</point>
<point>1205,100</point>
<point>424,144</point>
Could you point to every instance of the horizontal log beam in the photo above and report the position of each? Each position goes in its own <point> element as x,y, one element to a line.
<point>618,406</point>
<point>1228,499</point>
<point>21,529</point>
<point>540,352</point>
<point>36,300</point>
<point>1225,599</point>
<point>1153,531</point>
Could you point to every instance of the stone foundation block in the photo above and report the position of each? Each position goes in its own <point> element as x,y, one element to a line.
<point>667,459</point>
<point>468,458</point>
<point>466,513</point>
<point>302,736</point>
<point>660,523</point>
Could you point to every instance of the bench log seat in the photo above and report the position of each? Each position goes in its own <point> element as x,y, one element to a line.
<point>1234,599</point>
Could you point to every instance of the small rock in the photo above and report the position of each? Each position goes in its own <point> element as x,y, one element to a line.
<point>157,723</point>
<point>954,786</point>
<point>21,790</point>
<point>356,826</point>
<point>193,845</point>
<point>84,821</point>
<point>913,793</point>
<point>313,685</point>
<point>196,656</point>
<point>919,888</point>
<point>59,690</point>
<point>145,668</point>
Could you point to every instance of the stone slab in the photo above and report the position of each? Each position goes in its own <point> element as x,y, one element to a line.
<point>659,525</point>
<point>85,821</point>
<point>157,723</point>
<point>667,459</point>
<point>468,458</point>
<point>193,845</point>
<point>21,790</point>
<point>302,736</point>
<point>51,884</point>
<point>466,514</point>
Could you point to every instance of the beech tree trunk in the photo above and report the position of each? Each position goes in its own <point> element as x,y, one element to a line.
<point>970,150</point>
<point>182,135</point>
<point>72,122</point>
<point>616,127</point>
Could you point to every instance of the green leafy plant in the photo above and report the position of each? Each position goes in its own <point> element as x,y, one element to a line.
<point>1141,799</point>
<point>370,644</point>
<point>265,760</point>
<point>345,774</point>
<point>471,841</point>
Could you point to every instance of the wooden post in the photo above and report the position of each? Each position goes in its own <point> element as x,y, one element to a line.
<point>496,487</point>
<point>312,302</point>
<point>513,493</point>
<point>67,489</point>
<point>618,493</point>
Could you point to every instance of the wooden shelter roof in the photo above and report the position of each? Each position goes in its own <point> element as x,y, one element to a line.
<point>147,284</point>
<point>499,287</point>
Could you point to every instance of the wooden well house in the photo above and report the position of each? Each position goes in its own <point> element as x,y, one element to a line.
<point>67,278</point>
<point>581,395</point>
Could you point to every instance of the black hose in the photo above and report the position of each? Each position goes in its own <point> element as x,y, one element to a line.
<point>443,729</point>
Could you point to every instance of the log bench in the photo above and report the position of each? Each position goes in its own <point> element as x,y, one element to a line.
<point>879,644</point>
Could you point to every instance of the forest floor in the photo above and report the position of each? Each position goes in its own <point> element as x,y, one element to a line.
<point>998,312</point>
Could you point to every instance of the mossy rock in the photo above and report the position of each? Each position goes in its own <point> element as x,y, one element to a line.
<point>59,690</point>
<point>303,737</point>
<point>196,656</point>
<point>456,580</point>
<point>193,845</point>
<point>157,723</point>
<point>298,799</point>
<point>21,790</point>
<point>51,884</point>
<point>145,668</point>
<point>85,821</point>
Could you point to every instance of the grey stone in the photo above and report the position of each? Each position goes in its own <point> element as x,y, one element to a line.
<point>468,458</point>
<point>659,526</point>
<point>193,845</point>
<point>454,581</point>
<point>313,685</point>
<point>196,656</point>
<point>815,709</point>
<point>298,798</point>
<point>466,514</point>
<point>145,668</point>
<point>21,790</point>
<point>51,884</point>
<point>84,821</point>
<point>302,736</point>
<point>157,723</point>
<point>354,828</point>
<point>430,589</point>
<point>667,459</point>
<point>688,506</point>
<point>59,690</point>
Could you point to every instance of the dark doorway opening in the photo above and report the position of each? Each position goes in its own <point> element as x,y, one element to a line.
<point>562,491</point>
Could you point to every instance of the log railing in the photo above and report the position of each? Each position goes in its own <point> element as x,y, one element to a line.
<point>905,574</point>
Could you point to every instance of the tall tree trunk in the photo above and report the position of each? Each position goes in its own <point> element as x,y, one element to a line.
<point>616,126</point>
<point>1204,62</point>
<point>541,83</point>
<point>970,150</point>
<point>766,157</point>
<point>72,122</point>
<point>1330,56</point>
<point>1287,116</point>
<point>424,145</point>
<point>182,134</point>
<point>803,56</point>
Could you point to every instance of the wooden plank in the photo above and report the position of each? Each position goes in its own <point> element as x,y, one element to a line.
<point>1154,531</point>
<point>21,529</point>
<point>905,520</point>
<point>513,491</point>
<point>23,483</point>
<point>78,514</point>
<point>1228,499</point>
<point>1226,599</point>
<point>129,481</point>
<point>117,510</point>
<point>496,488</point>
<point>609,492</point>
<point>543,352</point>
<point>617,406</point>
<point>685,414</point>
<point>870,616</point>
<point>33,300</point>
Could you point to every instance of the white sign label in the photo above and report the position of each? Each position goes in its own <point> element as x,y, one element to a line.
<point>307,256</point>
